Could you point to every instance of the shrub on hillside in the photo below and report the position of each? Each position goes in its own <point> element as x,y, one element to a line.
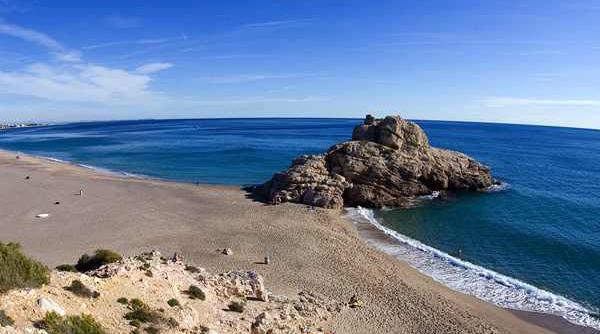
<point>141,312</point>
<point>84,324</point>
<point>100,258</point>
<point>173,302</point>
<point>237,306</point>
<point>195,293</point>
<point>79,289</point>
<point>5,320</point>
<point>19,271</point>
<point>67,267</point>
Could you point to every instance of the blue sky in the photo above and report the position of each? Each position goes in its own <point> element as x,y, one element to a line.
<point>530,61</point>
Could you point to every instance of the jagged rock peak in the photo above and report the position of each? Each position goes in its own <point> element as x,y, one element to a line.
<point>392,131</point>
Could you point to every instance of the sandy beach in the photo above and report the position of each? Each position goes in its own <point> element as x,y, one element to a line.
<point>316,250</point>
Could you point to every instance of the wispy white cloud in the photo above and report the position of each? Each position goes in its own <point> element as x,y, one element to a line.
<point>239,78</point>
<point>537,52</point>
<point>496,102</point>
<point>122,22</point>
<point>77,83</point>
<point>41,39</point>
<point>279,23</point>
<point>153,68</point>
<point>30,35</point>
<point>149,41</point>
<point>258,99</point>
<point>72,79</point>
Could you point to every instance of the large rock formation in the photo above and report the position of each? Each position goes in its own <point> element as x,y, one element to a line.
<point>387,163</point>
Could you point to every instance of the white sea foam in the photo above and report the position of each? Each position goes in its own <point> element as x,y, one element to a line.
<point>472,279</point>
<point>433,195</point>
<point>498,187</point>
<point>54,159</point>
<point>99,169</point>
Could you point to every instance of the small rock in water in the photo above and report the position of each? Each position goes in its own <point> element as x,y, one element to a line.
<point>49,305</point>
<point>27,177</point>
<point>227,251</point>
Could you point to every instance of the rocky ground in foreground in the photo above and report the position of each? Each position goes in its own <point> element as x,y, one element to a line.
<point>153,294</point>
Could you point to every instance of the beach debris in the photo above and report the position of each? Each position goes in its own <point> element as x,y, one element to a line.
<point>267,260</point>
<point>49,305</point>
<point>56,203</point>
<point>355,302</point>
<point>27,177</point>
<point>42,215</point>
<point>80,192</point>
<point>227,251</point>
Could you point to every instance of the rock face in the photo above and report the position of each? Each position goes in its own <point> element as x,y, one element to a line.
<point>388,162</point>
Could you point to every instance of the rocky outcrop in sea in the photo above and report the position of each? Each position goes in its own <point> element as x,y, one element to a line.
<point>388,162</point>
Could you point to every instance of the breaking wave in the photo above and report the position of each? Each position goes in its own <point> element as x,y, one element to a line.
<point>470,278</point>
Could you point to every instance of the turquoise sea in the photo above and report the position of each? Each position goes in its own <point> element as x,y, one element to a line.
<point>532,244</point>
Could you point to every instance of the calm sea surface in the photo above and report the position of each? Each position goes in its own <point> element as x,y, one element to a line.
<point>543,229</point>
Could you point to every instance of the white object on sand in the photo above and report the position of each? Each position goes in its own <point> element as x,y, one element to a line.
<point>49,305</point>
<point>42,215</point>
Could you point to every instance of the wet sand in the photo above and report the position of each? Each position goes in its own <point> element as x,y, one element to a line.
<point>310,250</point>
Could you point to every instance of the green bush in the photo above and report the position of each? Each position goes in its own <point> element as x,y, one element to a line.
<point>84,324</point>
<point>141,312</point>
<point>19,271</point>
<point>195,293</point>
<point>123,301</point>
<point>192,269</point>
<point>172,322</point>
<point>100,258</point>
<point>173,302</point>
<point>237,306</point>
<point>152,330</point>
<point>5,320</point>
<point>81,290</point>
<point>67,267</point>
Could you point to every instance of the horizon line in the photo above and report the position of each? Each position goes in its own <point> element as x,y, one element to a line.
<point>51,123</point>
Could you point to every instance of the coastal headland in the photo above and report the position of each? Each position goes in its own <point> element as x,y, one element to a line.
<point>313,250</point>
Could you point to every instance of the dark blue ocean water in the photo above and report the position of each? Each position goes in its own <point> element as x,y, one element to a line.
<point>543,230</point>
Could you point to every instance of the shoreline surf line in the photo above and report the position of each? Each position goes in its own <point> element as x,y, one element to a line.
<point>469,278</point>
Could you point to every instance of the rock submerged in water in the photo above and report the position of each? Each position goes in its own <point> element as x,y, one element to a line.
<point>388,162</point>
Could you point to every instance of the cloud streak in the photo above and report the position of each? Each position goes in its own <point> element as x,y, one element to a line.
<point>498,102</point>
<point>259,99</point>
<point>153,68</point>
<point>241,78</point>
<point>122,22</point>
<point>40,39</point>
<point>151,41</point>
<point>279,23</point>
